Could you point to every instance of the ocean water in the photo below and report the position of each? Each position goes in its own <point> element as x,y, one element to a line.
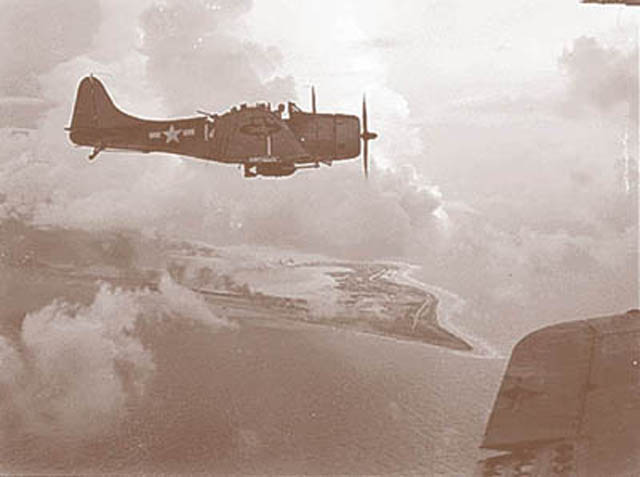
<point>267,400</point>
<point>96,379</point>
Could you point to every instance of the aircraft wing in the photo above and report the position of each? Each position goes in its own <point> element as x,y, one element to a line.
<point>621,2</point>
<point>255,132</point>
<point>570,397</point>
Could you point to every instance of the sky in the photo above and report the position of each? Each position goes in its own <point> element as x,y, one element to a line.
<point>505,165</point>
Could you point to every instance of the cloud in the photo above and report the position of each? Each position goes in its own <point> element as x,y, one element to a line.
<point>502,211</point>
<point>22,111</point>
<point>515,281</point>
<point>76,366</point>
<point>198,58</point>
<point>599,77</point>
<point>35,37</point>
<point>195,55</point>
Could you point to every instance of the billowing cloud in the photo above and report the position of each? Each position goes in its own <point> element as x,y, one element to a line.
<point>198,57</point>
<point>600,77</point>
<point>36,36</point>
<point>502,210</point>
<point>75,367</point>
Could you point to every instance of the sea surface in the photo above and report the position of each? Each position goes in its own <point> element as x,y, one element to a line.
<point>151,382</point>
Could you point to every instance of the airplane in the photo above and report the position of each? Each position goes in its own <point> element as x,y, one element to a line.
<point>568,403</point>
<point>260,139</point>
<point>629,3</point>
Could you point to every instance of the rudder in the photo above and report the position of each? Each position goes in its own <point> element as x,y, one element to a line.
<point>94,109</point>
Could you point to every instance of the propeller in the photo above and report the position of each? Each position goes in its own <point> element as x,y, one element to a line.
<point>366,137</point>
<point>313,99</point>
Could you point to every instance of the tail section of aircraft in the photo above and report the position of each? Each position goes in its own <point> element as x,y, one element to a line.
<point>97,121</point>
<point>95,114</point>
<point>94,108</point>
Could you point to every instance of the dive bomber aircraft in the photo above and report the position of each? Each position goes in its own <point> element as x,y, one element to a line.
<point>260,139</point>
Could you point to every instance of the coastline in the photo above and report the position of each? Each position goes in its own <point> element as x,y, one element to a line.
<point>450,310</point>
<point>377,297</point>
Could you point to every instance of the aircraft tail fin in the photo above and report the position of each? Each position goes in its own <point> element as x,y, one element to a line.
<point>94,108</point>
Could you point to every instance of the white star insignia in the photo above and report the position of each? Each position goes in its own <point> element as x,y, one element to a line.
<point>172,134</point>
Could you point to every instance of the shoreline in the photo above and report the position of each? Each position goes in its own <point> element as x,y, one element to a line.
<point>419,321</point>
<point>448,302</point>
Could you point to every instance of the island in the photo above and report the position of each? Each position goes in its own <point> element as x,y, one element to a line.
<point>239,283</point>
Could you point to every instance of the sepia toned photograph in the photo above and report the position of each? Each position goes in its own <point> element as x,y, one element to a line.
<point>320,238</point>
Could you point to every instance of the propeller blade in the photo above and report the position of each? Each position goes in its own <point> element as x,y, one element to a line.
<point>365,158</point>
<point>313,99</point>
<point>364,115</point>
<point>366,137</point>
<point>365,152</point>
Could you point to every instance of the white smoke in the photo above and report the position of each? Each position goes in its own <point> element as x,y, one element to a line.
<point>75,368</point>
<point>184,302</point>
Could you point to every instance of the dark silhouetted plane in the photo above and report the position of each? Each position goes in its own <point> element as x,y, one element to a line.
<point>260,139</point>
